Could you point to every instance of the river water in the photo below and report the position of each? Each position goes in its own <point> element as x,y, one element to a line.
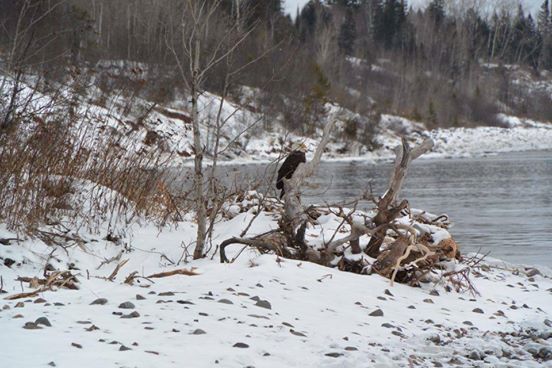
<point>500,204</point>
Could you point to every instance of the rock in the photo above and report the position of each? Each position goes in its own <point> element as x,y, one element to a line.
<point>474,355</point>
<point>124,348</point>
<point>8,262</point>
<point>545,354</point>
<point>100,301</point>
<point>296,333</point>
<point>532,272</point>
<point>377,313</point>
<point>255,298</point>
<point>58,304</point>
<point>43,321</point>
<point>548,322</point>
<point>436,339</point>
<point>428,301</point>
<point>199,331</point>
<point>350,348</point>
<point>263,304</point>
<point>19,305</point>
<point>387,292</point>
<point>131,315</point>
<point>225,301</point>
<point>5,307</point>
<point>31,326</point>
<point>467,323</point>
<point>166,293</point>
<point>185,302</point>
<point>17,316</point>
<point>240,345</point>
<point>39,301</point>
<point>387,325</point>
<point>203,314</point>
<point>126,305</point>
<point>288,324</point>
<point>334,355</point>
<point>411,307</point>
<point>434,292</point>
<point>52,364</point>
<point>78,346</point>
<point>259,285</point>
<point>478,310</point>
<point>140,297</point>
<point>92,328</point>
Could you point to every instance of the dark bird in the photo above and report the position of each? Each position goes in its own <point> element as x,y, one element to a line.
<point>296,156</point>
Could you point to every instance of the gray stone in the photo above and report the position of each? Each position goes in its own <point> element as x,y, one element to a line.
<point>31,326</point>
<point>124,348</point>
<point>166,293</point>
<point>100,301</point>
<point>131,315</point>
<point>126,305</point>
<point>334,355</point>
<point>478,310</point>
<point>199,331</point>
<point>140,297</point>
<point>225,301</point>
<point>240,345</point>
<point>263,304</point>
<point>296,333</point>
<point>350,348</point>
<point>43,321</point>
<point>377,313</point>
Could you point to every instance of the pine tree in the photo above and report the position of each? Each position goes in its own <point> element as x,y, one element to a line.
<point>347,34</point>
<point>544,26</point>
<point>436,10</point>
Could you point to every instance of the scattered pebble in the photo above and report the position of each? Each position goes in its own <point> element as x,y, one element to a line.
<point>263,304</point>
<point>31,326</point>
<point>140,297</point>
<point>43,321</point>
<point>377,313</point>
<point>78,346</point>
<point>126,305</point>
<point>199,331</point>
<point>225,301</point>
<point>240,345</point>
<point>334,355</point>
<point>100,301</point>
<point>131,315</point>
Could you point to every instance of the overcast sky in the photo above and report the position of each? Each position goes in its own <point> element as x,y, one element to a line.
<point>531,5</point>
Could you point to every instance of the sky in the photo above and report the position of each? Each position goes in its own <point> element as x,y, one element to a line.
<point>529,5</point>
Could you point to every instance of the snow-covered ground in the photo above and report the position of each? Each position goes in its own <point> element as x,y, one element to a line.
<point>261,310</point>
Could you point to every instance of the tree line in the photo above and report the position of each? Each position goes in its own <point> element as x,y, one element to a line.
<point>367,55</point>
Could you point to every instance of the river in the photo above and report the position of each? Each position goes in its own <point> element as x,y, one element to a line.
<point>501,205</point>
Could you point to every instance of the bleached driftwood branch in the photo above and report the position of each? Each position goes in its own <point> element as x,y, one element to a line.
<point>386,213</point>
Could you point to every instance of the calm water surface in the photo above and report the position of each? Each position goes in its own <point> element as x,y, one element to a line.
<point>499,204</point>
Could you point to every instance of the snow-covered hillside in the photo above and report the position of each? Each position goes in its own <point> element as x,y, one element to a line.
<point>141,126</point>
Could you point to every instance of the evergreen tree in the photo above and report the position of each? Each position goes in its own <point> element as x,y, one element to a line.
<point>347,34</point>
<point>436,11</point>
<point>544,27</point>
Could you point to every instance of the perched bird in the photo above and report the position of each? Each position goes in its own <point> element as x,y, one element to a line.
<point>296,156</point>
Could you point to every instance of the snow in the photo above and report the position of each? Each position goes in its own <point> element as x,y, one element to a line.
<point>314,310</point>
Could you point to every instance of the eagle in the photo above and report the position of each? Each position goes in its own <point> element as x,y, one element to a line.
<point>295,157</point>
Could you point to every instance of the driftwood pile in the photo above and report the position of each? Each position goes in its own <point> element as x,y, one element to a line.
<point>404,246</point>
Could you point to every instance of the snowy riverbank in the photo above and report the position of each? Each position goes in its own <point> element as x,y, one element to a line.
<point>260,311</point>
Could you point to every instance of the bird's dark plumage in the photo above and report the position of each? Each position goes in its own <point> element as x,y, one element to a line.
<point>288,168</point>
